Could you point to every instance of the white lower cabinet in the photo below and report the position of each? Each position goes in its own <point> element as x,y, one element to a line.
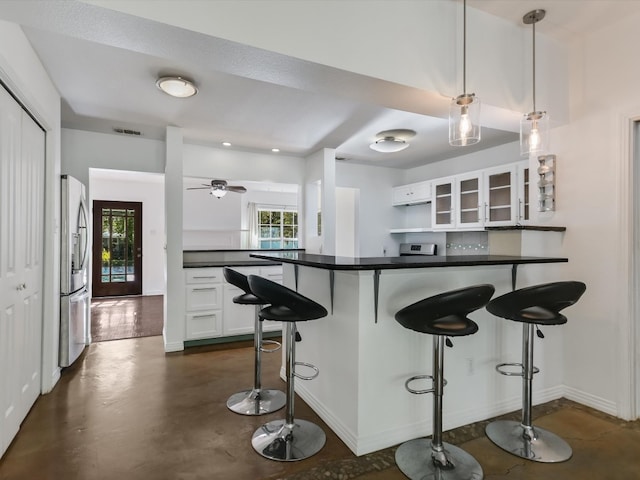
<point>210,311</point>
<point>203,303</point>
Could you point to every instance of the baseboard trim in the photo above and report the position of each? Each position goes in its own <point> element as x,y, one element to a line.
<point>593,401</point>
<point>173,346</point>
<point>372,443</point>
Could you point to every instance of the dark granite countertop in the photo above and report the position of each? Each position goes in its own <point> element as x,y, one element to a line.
<point>538,228</point>
<point>387,263</point>
<point>232,263</point>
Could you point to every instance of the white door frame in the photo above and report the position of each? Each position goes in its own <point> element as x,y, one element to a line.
<point>628,334</point>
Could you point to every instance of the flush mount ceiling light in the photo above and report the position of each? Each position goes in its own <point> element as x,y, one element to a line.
<point>534,126</point>
<point>391,141</point>
<point>464,111</point>
<point>177,86</point>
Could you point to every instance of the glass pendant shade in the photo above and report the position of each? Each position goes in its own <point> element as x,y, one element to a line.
<point>464,120</point>
<point>534,133</point>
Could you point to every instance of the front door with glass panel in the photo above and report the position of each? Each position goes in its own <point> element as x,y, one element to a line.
<point>117,248</point>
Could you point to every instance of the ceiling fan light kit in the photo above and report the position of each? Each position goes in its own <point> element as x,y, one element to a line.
<point>219,188</point>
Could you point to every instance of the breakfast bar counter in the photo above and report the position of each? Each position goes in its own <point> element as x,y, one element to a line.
<point>365,356</point>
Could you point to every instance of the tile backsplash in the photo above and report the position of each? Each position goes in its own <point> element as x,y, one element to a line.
<point>467,243</point>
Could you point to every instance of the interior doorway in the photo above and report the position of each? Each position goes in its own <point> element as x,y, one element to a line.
<point>117,248</point>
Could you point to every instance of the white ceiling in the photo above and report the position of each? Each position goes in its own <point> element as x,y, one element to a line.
<point>253,114</point>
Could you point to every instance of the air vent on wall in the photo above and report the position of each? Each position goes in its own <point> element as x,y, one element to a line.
<point>126,131</point>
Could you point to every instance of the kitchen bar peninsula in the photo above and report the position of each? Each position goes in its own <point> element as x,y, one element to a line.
<point>365,356</point>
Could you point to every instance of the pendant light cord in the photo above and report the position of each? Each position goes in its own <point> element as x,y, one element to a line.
<point>534,66</point>
<point>464,47</point>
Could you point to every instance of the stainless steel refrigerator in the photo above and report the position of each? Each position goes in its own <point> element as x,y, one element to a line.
<point>74,260</point>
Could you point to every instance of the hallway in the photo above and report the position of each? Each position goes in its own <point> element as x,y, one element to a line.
<point>128,410</point>
<point>115,318</point>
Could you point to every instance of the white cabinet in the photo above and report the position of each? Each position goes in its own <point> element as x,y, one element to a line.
<point>273,273</point>
<point>492,197</point>
<point>203,303</point>
<point>523,212</point>
<point>240,319</point>
<point>210,311</point>
<point>469,200</point>
<point>412,194</point>
<point>500,196</point>
<point>443,206</point>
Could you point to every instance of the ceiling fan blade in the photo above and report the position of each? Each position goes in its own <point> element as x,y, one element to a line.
<point>236,188</point>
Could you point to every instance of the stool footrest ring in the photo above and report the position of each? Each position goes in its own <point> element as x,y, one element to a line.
<point>420,377</point>
<point>500,368</point>
<point>308,365</point>
<point>277,347</point>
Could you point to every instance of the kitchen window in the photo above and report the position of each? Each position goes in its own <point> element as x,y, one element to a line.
<point>278,228</point>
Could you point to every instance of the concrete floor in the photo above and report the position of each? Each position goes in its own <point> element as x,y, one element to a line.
<point>127,410</point>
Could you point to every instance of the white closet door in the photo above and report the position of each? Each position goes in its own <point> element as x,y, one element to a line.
<point>30,260</point>
<point>10,271</point>
<point>22,164</point>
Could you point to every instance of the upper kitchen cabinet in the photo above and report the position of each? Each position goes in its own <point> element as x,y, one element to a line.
<point>500,196</point>
<point>470,198</point>
<point>523,192</point>
<point>444,203</point>
<point>412,194</point>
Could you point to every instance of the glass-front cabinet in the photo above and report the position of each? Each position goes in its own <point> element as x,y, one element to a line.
<point>523,192</point>
<point>500,196</point>
<point>470,200</point>
<point>443,203</point>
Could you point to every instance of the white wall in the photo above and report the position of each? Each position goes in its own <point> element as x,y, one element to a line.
<point>82,150</point>
<point>594,201</point>
<point>375,215</point>
<point>489,157</point>
<point>24,75</point>
<point>151,193</point>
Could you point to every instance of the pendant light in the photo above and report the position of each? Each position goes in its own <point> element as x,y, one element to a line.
<point>464,111</point>
<point>534,126</point>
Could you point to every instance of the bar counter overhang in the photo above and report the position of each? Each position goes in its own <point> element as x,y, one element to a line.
<point>365,356</point>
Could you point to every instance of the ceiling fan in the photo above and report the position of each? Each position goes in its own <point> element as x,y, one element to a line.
<point>219,188</point>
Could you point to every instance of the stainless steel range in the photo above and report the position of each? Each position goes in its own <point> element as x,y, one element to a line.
<point>407,249</point>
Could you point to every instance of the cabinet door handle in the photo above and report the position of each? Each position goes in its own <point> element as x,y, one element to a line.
<point>204,289</point>
<point>479,214</point>
<point>486,214</point>
<point>202,316</point>
<point>519,209</point>
<point>201,278</point>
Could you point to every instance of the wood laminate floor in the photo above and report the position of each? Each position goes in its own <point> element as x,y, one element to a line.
<point>126,410</point>
<point>115,318</point>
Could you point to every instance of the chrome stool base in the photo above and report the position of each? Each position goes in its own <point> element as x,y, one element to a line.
<point>415,461</point>
<point>545,447</point>
<point>256,402</point>
<point>284,442</point>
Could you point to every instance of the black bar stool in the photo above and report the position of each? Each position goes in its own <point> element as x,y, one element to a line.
<point>443,315</point>
<point>288,439</point>
<point>256,401</point>
<point>533,306</point>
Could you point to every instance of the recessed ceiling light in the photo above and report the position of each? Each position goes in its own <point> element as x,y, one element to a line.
<point>226,144</point>
<point>177,86</point>
<point>275,150</point>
